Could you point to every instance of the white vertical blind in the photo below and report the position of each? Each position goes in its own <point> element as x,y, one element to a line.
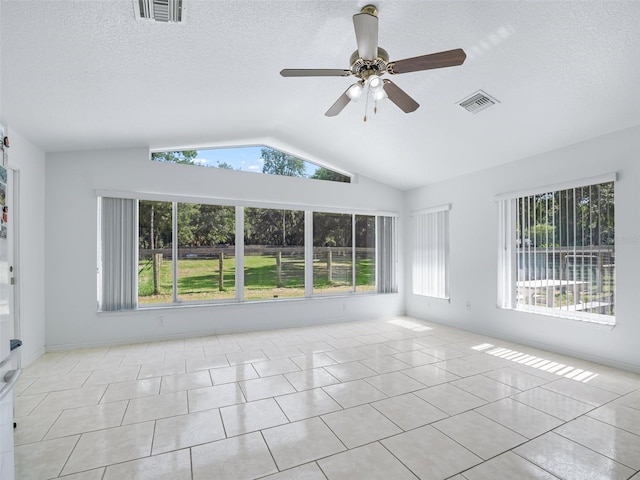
<point>118,256</point>
<point>557,252</point>
<point>430,265</point>
<point>387,252</point>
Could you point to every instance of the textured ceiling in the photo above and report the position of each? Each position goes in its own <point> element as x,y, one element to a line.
<point>85,75</point>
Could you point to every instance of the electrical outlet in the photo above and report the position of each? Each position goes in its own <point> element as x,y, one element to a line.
<point>468,305</point>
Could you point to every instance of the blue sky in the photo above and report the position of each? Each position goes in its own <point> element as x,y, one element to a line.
<point>241,158</point>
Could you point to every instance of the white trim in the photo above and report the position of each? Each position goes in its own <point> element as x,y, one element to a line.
<point>236,202</point>
<point>424,211</point>
<point>582,182</point>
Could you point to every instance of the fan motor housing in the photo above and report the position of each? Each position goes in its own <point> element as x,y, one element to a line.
<point>363,69</point>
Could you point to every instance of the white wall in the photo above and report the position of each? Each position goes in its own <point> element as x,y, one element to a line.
<point>71,181</point>
<point>29,161</point>
<point>473,249</point>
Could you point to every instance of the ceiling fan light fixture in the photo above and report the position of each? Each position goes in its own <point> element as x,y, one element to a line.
<point>375,83</point>
<point>355,92</point>
<point>379,94</point>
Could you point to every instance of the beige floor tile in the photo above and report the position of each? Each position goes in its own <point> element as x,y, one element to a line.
<point>185,381</point>
<point>221,349</point>
<point>131,389</point>
<point>88,419</point>
<point>214,397</point>
<point>309,471</point>
<point>33,428</point>
<point>301,442</point>
<point>105,363</point>
<point>581,391</point>
<point>158,406</point>
<point>96,474</point>
<point>25,404</point>
<point>151,370</point>
<point>430,454</point>
<point>312,361</point>
<point>283,351</point>
<point>240,458</point>
<point>507,466</point>
<point>351,394</point>
<point>373,462</point>
<point>613,383</point>
<point>168,466</point>
<point>114,445</point>
<point>183,431</point>
<point>346,372</point>
<point>121,374</point>
<point>430,375</point>
<point>141,358</point>
<point>252,416</point>
<point>360,425</point>
<point>266,387</point>
<point>346,355</point>
<point>515,378</point>
<point>55,383</point>
<point>620,445</point>
<point>237,358</point>
<point>43,460</point>
<point>485,388</point>
<point>482,436</point>
<point>520,418</point>
<point>394,383</point>
<point>385,364</point>
<point>306,404</point>
<point>619,415</point>
<point>235,373</point>
<point>78,397</point>
<point>313,378</point>
<point>463,367</point>
<point>275,367</point>
<point>314,346</point>
<point>570,461</point>
<point>377,350</point>
<point>553,403</point>
<point>415,358</point>
<point>450,399</point>
<point>408,411</point>
<point>205,363</point>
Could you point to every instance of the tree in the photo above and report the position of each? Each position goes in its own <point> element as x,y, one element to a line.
<point>323,173</point>
<point>225,165</point>
<point>185,157</point>
<point>280,163</point>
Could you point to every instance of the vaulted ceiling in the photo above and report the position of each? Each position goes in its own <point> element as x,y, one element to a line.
<point>87,74</point>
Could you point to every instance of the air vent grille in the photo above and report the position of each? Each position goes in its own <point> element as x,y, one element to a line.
<point>167,11</point>
<point>477,102</point>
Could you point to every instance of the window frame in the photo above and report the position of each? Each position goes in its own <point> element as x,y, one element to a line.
<point>240,205</point>
<point>430,254</point>
<point>507,272</point>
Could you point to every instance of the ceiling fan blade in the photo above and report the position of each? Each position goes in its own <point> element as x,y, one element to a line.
<point>339,105</point>
<point>450,58</point>
<point>315,72</point>
<point>366,26</point>
<point>400,97</point>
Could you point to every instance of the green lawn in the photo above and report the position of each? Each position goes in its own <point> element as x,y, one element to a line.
<point>198,279</point>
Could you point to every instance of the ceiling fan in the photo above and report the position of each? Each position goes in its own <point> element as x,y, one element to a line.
<point>370,62</point>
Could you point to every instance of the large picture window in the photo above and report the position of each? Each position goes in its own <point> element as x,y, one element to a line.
<point>154,252</point>
<point>558,251</point>
<point>273,253</point>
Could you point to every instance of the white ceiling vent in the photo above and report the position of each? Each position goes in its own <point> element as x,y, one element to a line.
<point>477,102</point>
<point>167,11</point>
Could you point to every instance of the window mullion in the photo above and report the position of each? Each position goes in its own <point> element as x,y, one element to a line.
<point>174,249</point>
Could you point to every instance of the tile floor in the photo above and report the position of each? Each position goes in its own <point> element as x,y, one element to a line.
<point>395,398</point>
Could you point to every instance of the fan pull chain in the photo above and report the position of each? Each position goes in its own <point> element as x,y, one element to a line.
<point>366,106</point>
